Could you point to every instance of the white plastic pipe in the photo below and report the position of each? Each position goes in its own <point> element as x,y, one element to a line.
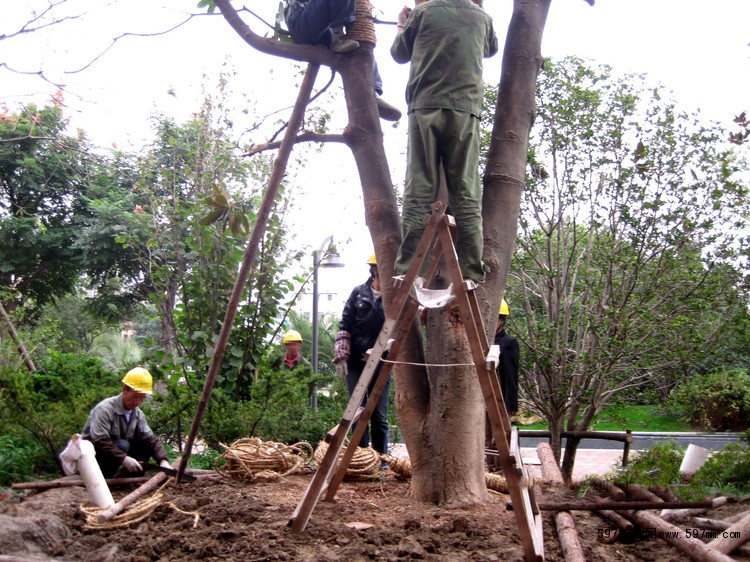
<point>695,457</point>
<point>92,476</point>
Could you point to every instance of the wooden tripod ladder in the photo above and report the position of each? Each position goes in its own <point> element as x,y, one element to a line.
<point>438,242</point>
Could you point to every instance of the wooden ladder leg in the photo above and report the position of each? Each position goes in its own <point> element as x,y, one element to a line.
<point>531,536</point>
<point>323,476</point>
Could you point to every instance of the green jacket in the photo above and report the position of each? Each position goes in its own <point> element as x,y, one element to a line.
<point>445,40</point>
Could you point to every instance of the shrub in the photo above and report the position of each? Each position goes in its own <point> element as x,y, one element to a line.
<point>725,472</point>
<point>21,460</point>
<point>50,405</point>
<point>715,401</point>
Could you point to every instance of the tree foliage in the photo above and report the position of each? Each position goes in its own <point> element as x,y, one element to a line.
<point>44,175</point>
<point>627,240</point>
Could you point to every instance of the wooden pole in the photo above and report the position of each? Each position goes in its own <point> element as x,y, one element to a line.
<point>251,251</point>
<point>564,522</point>
<point>19,344</point>
<point>153,483</point>
<point>617,505</point>
<point>681,514</point>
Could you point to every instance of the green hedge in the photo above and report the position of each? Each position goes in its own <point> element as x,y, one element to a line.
<point>714,401</point>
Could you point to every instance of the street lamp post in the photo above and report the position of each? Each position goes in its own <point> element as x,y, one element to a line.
<point>329,259</point>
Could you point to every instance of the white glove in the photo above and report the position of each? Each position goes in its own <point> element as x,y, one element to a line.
<point>165,464</point>
<point>341,368</point>
<point>132,465</point>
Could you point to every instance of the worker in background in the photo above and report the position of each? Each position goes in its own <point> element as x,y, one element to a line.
<point>510,355</point>
<point>360,325</point>
<point>507,374</point>
<point>292,346</point>
<point>117,428</point>
<point>322,22</point>
<point>445,42</point>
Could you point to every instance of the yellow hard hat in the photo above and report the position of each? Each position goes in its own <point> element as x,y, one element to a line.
<point>292,335</point>
<point>139,379</point>
<point>372,260</point>
<point>504,310</point>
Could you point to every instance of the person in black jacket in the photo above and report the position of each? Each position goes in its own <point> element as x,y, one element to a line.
<point>361,322</point>
<point>507,373</point>
<point>507,370</point>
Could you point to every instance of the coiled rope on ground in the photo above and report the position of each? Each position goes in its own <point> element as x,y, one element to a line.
<point>251,458</point>
<point>137,512</point>
<point>365,463</point>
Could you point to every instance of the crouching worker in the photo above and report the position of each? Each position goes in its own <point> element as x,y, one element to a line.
<point>118,430</point>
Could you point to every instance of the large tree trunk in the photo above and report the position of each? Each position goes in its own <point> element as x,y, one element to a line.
<point>505,172</point>
<point>441,413</point>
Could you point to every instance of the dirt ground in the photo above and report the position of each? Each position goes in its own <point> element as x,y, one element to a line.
<point>374,520</point>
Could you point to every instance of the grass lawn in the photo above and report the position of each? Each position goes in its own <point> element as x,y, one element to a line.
<point>635,418</point>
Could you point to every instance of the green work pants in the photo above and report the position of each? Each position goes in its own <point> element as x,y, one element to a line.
<point>452,138</point>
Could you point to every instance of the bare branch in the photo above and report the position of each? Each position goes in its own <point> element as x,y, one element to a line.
<point>28,26</point>
<point>304,137</point>
<point>128,34</point>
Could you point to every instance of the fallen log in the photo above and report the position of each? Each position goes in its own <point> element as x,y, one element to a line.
<point>566,527</point>
<point>675,515</point>
<point>694,548</point>
<point>584,505</point>
<point>711,524</point>
<point>733,537</point>
<point>615,518</point>
<point>736,517</point>
<point>640,493</point>
<point>606,487</point>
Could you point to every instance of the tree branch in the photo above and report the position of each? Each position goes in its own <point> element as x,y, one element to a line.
<point>304,137</point>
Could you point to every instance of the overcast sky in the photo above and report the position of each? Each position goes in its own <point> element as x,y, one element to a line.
<point>697,48</point>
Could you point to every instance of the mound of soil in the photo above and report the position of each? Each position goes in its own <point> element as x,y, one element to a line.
<point>247,522</point>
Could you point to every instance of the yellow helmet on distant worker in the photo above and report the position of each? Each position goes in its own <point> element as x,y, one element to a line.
<point>292,335</point>
<point>139,379</point>
<point>504,310</point>
<point>372,260</point>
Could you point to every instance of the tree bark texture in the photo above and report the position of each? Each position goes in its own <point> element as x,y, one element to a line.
<point>440,413</point>
<point>505,173</point>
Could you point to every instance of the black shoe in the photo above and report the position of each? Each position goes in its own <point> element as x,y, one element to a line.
<point>386,111</point>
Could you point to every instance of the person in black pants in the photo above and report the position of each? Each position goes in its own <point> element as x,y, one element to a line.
<point>507,373</point>
<point>507,370</point>
<point>361,322</point>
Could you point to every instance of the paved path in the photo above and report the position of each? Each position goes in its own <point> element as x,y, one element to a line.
<point>588,461</point>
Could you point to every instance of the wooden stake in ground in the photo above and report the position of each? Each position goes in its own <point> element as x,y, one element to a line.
<point>566,527</point>
<point>251,252</point>
<point>19,344</point>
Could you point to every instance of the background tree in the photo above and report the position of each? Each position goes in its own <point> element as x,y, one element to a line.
<point>194,200</point>
<point>626,264</point>
<point>44,175</point>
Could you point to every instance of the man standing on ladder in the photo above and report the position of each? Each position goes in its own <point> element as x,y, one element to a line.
<point>361,322</point>
<point>445,41</point>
